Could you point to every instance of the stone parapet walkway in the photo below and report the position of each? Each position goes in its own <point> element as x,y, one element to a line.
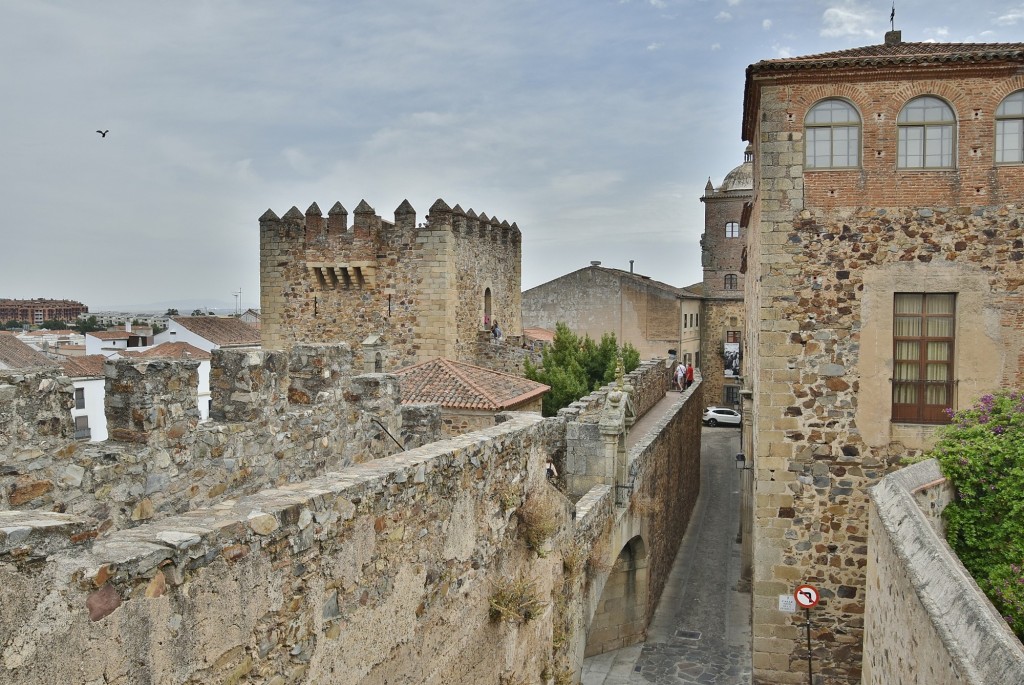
<point>700,634</point>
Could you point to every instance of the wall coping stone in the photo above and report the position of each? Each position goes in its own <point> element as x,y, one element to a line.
<point>979,642</point>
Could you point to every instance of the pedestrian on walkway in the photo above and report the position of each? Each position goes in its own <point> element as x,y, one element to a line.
<point>689,375</point>
<point>679,378</point>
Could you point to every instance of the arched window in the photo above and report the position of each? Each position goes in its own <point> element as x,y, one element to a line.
<point>732,229</point>
<point>926,129</point>
<point>1010,129</point>
<point>731,281</point>
<point>832,135</point>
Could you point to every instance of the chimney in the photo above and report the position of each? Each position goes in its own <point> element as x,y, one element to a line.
<point>595,263</point>
<point>893,37</point>
<point>631,266</point>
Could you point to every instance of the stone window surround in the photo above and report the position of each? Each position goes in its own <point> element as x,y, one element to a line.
<point>976,371</point>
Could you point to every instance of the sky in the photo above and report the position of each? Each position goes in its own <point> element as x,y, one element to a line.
<point>592,124</point>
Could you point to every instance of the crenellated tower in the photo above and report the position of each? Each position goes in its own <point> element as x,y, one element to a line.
<point>428,290</point>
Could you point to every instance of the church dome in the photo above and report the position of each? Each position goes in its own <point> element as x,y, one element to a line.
<point>742,177</point>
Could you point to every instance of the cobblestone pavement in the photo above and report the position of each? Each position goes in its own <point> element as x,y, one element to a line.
<point>700,634</point>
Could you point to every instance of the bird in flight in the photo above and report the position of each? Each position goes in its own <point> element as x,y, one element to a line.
<point>103,134</point>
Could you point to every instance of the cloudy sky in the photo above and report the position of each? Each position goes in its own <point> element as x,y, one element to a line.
<point>593,124</point>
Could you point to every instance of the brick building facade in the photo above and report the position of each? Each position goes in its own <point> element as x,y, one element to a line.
<point>726,210</point>
<point>885,284</point>
<point>37,311</point>
<point>427,290</point>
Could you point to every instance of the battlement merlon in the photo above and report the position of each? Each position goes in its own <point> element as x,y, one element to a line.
<point>310,229</point>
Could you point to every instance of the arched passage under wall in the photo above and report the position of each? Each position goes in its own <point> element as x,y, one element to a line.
<point>621,616</point>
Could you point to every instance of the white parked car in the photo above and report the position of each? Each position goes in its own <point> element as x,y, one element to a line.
<point>716,415</point>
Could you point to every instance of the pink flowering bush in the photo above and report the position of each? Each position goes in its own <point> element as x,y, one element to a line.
<point>982,454</point>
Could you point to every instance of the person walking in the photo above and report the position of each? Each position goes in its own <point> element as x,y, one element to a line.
<point>689,375</point>
<point>679,378</point>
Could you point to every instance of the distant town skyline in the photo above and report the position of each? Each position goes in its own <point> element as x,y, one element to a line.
<point>592,125</point>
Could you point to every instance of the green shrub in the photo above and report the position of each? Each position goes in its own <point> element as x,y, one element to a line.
<point>515,600</point>
<point>982,455</point>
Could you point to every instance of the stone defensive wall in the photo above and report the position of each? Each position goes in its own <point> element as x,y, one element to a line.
<point>382,572</point>
<point>926,620</point>
<point>392,569</point>
<point>423,285</point>
<point>650,381</point>
<point>277,418</point>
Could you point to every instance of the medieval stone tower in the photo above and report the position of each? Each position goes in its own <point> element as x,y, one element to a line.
<point>426,290</point>
<point>722,256</point>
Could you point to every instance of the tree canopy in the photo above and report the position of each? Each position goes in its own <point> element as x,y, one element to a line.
<point>574,366</point>
<point>88,325</point>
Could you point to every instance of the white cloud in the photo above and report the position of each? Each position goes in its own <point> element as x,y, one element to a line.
<point>653,46</point>
<point>782,51</point>
<point>298,160</point>
<point>660,4</point>
<point>766,24</point>
<point>1011,18</point>
<point>849,20</point>
<point>733,3</point>
<point>716,46</point>
<point>723,16</point>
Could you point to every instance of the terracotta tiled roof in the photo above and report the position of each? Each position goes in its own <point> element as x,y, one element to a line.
<point>173,350</point>
<point>62,331</point>
<point>222,331</point>
<point>110,335</point>
<point>15,354</point>
<point>455,385</point>
<point>541,334</point>
<point>88,366</point>
<point>888,54</point>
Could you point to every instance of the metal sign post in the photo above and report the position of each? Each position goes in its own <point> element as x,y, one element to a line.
<point>807,597</point>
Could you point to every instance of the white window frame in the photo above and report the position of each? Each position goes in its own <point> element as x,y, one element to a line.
<point>1010,129</point>
<point>923,125</point>
<point>831,140</point>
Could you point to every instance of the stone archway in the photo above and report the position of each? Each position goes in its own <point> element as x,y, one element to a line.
<point>621,616</point>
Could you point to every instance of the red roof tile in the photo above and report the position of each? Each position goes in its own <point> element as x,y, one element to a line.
<point>88,366</point>
<point>174,350</point>
<point>110,335</point>
<point>222,331</point>
<point>897,53</point>
<point>455,385</point>
<point>15,354</point>
<point>541,334</point>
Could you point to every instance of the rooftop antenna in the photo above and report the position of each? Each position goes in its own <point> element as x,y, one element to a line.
<point>892,17</point>
<point>238,301</point>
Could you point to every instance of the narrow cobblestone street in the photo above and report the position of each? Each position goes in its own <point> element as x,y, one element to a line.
<point>700,634</point>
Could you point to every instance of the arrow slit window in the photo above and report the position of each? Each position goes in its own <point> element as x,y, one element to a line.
<point>923,385</point>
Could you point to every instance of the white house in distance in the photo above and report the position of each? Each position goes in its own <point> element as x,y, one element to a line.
<point>112,344</point>
<point>210,332</point>
<point>203,334</point>
<point>87,375</point>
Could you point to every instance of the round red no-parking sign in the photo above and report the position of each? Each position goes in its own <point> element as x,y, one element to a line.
<point>806,596</point>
